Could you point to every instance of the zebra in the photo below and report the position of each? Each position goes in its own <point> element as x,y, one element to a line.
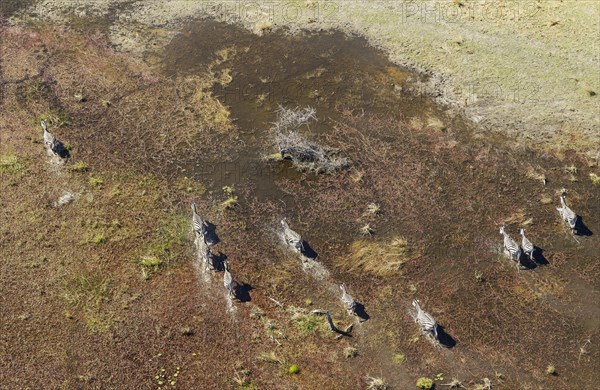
<point>566,213</point>
<point>292,238</point>
<point>347,300</point>
<point>426,322</point>
<point>511,247</point>
<point>53,145</point>
<point>228,279</point>
<point>208,258</point>
<point>527,246</point>
<point>198,223</point>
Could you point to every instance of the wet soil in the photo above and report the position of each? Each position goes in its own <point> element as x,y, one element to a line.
<point>328,71</point>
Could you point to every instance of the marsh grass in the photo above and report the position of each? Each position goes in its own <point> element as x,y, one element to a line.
<point>85,287</point>
<point>380,258</point>
<point>167,245</point>
<point>90,292</point>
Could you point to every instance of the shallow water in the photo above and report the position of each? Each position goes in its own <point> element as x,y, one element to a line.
<point>327,71</point>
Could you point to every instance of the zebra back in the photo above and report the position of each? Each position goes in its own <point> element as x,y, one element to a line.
<point>197,221</point>
<point>424,319</point>
<point>525,243</point>
<point>567,214</point>
<point>227,278</point>
<point>509,244</point>
<point>291,237</point>
<point>347,299</point>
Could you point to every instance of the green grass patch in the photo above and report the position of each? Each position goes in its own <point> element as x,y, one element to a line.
<point>425,383</point>
<point>84,288</point>
<point>90,292</point>
<point>399,358</point>
<point>232,200</point>
<point>11,164</point>
<point>230,203</point>
<point>305,322</point>
<point>80,166</point>
<point>151,262</point>
<point>54,118</point>
<point>98,239</point>
<point>96,182</point>
<point>167,245</point>
<point>595,179</point>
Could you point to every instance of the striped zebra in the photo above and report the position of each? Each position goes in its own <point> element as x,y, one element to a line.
<point>426,322</point>
<point>347,300</point>
<point>511,247</point>
<point>228,279</point>
<point>53,145</point>
<point>527,246</point>
<point>292,238</point>
<point>566,213</point>
<point>198,223</point>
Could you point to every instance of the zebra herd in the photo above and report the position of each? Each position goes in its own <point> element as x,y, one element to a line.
<point>205,242</point>
<point>514,250</point>
<point>425,321</point>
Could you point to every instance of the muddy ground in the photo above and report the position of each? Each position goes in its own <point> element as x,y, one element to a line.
<point>106,291</point>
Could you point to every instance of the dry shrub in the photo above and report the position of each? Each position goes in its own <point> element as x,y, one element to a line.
<point>380,258</point>
<point>304,154</point>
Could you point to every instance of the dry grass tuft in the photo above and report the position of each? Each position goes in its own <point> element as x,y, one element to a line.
<point>380,258</point>
<point>350,352</point>
<point>375,383</point>
<point>271,358</point>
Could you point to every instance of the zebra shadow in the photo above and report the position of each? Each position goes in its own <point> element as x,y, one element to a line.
<point>308,251</point>
<point>211,237</point>
<point>526,263</point>
<point>361,313</point>
<point>218,261</point>
<point>334,328</point>
<point>581,229</point>
<point>538,256</point>
<point>242,292</point>
<point>444,338</point>
<point>61,151</point>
